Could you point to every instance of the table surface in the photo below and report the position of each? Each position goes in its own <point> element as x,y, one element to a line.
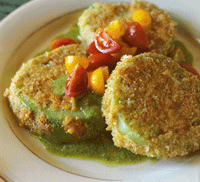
<point>7,6</point>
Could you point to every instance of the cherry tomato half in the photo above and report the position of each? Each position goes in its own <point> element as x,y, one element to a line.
<point>104,43</point>
<point>190,69</point>
<point>92,49</point>
<point>135,36</point>
<point>100,59</point>
<point>77,82</point>
<point>61,41</point>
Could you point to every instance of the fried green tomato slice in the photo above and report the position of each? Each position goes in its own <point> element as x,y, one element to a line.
<point>160,34</point>
<point>152,106</point>
<point>37,98</point>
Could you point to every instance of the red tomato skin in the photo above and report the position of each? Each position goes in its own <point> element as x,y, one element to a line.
<point>77,82</point>
<point>61,41</point>
<point>92,49</point>
<point>100,59</point>
<point>104,43</point>
<point>190,69</point>
<point>135,36</point>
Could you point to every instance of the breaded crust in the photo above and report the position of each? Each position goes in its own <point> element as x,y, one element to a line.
<point>161,103</point>
<point>33,82</point>
<point>160,34</point>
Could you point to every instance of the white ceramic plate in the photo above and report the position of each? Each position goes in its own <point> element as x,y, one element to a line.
<point>30,29</point>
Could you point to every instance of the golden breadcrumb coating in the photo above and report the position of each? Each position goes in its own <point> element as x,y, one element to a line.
<point>160,34</point>
<point>161,103</point>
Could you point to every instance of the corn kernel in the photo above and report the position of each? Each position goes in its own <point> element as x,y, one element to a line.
<point>115,29</point>
<point>143,18</point>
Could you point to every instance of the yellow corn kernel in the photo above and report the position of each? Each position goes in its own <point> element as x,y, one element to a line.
<point>115,29</point>
<point>72,61</point>
<point>143,18</point>
<point>97,80</point>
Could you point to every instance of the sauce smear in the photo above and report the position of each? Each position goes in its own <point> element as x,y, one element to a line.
<point>100,149</point>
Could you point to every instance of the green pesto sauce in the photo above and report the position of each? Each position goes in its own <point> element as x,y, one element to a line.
<point>72,33</point>
<point>100,149</point>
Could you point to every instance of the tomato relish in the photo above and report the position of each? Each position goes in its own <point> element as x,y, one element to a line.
<point>107,48</point>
